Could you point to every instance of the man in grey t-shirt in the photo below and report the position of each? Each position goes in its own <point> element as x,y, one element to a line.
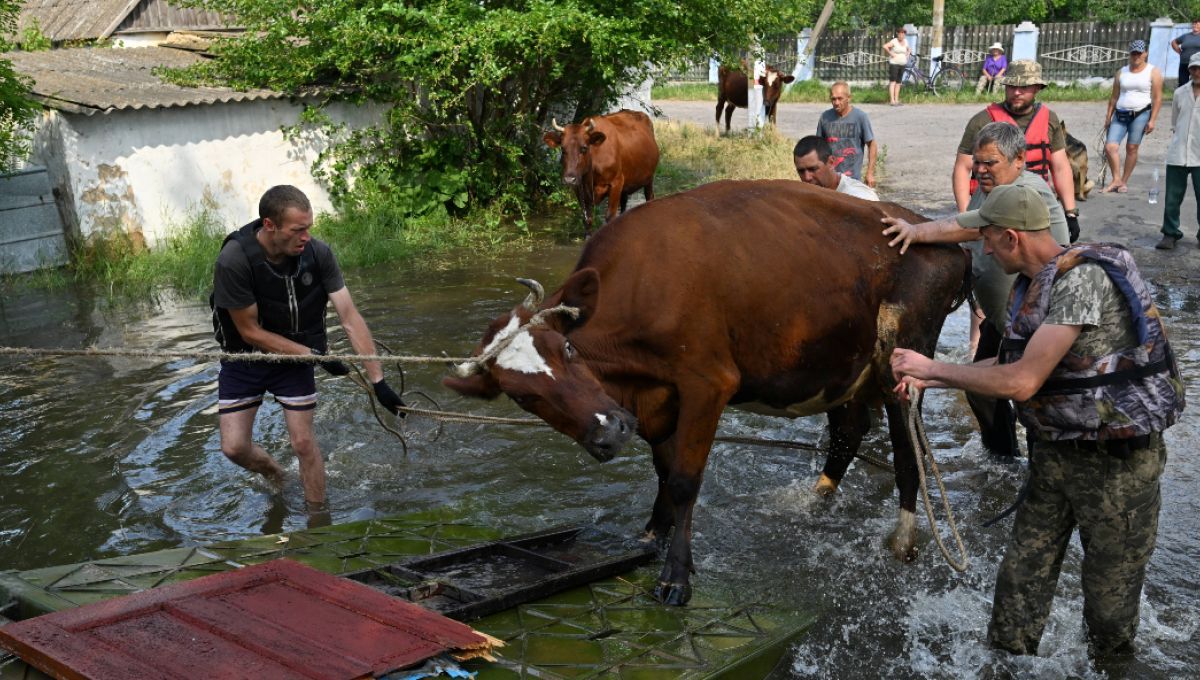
<point>1185,46</point>
<point>271,285</point>
<point>848,131</point>
<point>998,160</point>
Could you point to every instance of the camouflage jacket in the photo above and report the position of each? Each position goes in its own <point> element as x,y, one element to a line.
<point>1131,392</point>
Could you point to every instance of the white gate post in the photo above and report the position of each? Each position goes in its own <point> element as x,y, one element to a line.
<point>754,108</point>
<point>1162,32</point>
<point>1025,41</point>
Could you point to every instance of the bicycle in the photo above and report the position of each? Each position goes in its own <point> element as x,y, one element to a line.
<point>945,79</point>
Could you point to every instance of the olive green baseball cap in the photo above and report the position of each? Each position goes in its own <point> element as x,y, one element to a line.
<point>1011,207</point>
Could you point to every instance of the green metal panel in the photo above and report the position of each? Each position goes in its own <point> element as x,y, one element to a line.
<point>610,628</point>
<point>615,628</point>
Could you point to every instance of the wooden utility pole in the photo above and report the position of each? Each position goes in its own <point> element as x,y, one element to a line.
<point>939,10</point>
<point>811,48</point>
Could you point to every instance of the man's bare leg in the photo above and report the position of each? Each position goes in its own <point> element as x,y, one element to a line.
<point>312,466</point>
<point>237,429</point>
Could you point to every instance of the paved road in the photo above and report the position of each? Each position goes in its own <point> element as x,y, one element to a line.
<point>920,142</point>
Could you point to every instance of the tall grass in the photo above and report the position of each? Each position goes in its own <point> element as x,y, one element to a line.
<point>692,155</point>
<point>124,266</point>
<point>365,236</point>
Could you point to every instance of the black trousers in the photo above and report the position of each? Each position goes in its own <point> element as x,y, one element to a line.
<point>997,417</point>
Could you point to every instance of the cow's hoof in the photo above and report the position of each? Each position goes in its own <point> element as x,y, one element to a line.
<point>673,594</point>
<point>825,486</point>
<point>902,542</point>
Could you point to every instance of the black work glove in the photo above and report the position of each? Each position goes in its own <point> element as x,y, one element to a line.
<point>388,398</point>
<point>332,367</point>
<point>1073,225</point>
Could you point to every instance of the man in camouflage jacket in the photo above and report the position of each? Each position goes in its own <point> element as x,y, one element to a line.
<point>1086,358</point>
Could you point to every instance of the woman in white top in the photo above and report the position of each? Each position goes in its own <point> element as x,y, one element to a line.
<point>1132,111</point>
<point>897,52</point>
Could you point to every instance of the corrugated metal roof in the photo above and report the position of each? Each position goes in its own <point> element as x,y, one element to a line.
<point>161,15</point>
<point>73,19</point>
<point>92,19</point>
<point>94,79</point>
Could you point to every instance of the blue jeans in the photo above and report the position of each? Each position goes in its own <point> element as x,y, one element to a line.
<point>1136,128</point>
<point>1176,188</point>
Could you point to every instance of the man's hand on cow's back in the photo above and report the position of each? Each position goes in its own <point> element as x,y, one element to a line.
<point>904,232</point>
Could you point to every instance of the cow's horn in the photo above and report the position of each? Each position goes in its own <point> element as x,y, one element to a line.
<point>554,122</point>
<point>466,369</point>
<point>536,295</point>
<point>591,126</point>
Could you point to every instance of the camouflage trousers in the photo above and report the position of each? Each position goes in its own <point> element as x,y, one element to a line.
<point>1114,502</point>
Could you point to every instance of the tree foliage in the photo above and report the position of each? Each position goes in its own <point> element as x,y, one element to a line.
<point>470,85</point>
<point>15,108</point>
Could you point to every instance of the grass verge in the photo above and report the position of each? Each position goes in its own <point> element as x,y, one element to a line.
<point>691,155</point>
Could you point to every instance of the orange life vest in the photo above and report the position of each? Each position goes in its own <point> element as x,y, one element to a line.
<point>1037,142</point>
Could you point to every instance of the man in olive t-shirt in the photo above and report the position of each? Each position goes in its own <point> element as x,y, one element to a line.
<point>1022,83</point>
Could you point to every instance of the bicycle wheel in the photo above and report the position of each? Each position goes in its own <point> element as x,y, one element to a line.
<point>913,80</point>
<point>949,80</point>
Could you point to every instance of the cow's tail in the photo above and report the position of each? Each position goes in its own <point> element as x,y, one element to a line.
<point>966,290</point>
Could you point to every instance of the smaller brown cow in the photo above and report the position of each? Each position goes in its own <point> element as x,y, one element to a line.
<point>607,156</point>
<point>732,92</point>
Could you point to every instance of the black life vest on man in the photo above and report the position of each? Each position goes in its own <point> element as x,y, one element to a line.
<point>1037,141</point>
<point>291,303</point>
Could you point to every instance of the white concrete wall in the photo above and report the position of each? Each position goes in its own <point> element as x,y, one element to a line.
<point>146,171</point>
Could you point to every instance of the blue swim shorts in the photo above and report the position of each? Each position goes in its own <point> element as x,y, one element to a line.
<point>242,384</point>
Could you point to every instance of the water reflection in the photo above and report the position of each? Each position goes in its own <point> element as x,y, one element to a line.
<point>105,457</point>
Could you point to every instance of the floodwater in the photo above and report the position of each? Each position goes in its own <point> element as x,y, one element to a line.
<point>102,457</point>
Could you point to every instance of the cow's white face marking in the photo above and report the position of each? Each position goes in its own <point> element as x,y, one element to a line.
<point>522,356</point>
<point>772,77</point>
<point>602,418</point>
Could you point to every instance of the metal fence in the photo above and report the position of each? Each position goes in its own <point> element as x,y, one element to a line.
<point>1066,51</point>
<point>1087,49</point>
<point>852,55</point>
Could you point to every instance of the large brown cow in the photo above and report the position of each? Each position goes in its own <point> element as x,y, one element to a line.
<point>607,156</point>
<point>775,296</point>
<point>732,92</point>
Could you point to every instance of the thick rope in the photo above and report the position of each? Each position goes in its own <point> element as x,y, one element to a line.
<point>804,446</point>
<point>218,356</point>
<point>922,449</point>
<point>438,415</point>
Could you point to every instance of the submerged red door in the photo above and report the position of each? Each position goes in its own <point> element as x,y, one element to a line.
<point>280,619</point>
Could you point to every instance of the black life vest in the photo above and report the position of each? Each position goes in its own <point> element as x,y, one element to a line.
<point>290,304</point>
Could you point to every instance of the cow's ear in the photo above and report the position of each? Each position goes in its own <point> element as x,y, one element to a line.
<point>553,139</point>
<point>582,290</point>
<point>596,138</point>
<point>477,386</point>
<point>788,79</point>
<point>762,80</point>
